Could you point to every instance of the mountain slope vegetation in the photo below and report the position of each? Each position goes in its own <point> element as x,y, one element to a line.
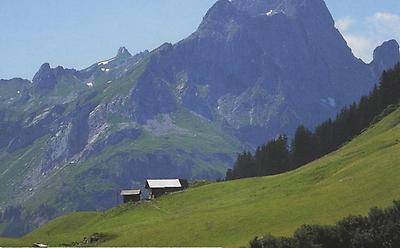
<point>362,174</point>
<point>277,156</point>
<point>379,229</point>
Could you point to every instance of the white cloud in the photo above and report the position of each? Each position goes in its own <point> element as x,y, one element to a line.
<point>361,46</point>
<point>385,24</point>
<point>363,36</point>
<point>343,24</point>
<point>387,20</point>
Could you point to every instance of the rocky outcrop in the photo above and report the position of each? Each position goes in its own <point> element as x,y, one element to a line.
<point>46,78</point>
<point>386,56</point>
<point>151,97</point>
<point>123,53</point>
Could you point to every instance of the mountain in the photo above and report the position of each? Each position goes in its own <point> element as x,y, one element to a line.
<point>362,174</point>
<point>71,139</point>
<point>261,67</point>
<point>385,56</point>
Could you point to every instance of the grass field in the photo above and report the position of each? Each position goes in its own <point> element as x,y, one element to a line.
<point>363,174</point>
<point>4,242</point>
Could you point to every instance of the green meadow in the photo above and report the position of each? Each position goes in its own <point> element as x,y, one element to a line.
<point>362,174</point>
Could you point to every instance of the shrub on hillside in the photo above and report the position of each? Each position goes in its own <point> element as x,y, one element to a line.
<point>381,228</point>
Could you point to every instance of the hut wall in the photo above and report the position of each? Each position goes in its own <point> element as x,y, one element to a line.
<point>159,192</point>
<point>131,198</point>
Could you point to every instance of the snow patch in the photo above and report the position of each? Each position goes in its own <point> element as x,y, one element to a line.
<point>109,82</point>
<point>271,13</point>
<point>90,84</point>
<point>329,101</point>
<point>105,62</point>
<point>105,69</point>
<point>332,102</point>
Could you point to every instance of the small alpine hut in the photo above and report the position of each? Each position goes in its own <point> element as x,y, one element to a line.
<point>132,195</point>
<point>158,187</point>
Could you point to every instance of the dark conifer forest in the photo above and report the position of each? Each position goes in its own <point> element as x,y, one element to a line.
<point>278,156</point>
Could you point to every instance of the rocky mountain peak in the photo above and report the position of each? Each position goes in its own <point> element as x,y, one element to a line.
<point>45,66</point>
<point>123,53</point>
<point>220,11</point>
<point>314,15</point>
<point>388,53</point>
<point>304,10</point>
<point>386,56</point>
<point>44,78</point>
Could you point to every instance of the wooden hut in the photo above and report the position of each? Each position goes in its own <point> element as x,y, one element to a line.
<point>158,187</point>
<point>132,195</point>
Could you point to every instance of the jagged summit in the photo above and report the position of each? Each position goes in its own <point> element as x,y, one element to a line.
<point>123,53</point>
<point>387,53</point>
<point>220,9</point>
<point>287,7</point>
<point>222,12</point>
<point>386,56</point>
<point>314,14</point>
<point>44,78</point>
<point>44,67</point>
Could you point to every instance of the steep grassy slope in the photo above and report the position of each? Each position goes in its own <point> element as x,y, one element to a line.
<point>363,174</point>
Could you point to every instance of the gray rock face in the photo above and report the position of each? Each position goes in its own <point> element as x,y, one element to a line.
<point>78,136</point>
<point>123,53</point>
<point>385,56</point>
<point>292,8</point>
<point>44,79</point>
<point>150,98</point>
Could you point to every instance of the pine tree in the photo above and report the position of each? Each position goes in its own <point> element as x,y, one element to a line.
<point>303,147</point>
<point>274,157</point>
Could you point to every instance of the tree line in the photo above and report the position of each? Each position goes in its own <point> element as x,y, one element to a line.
<point>278,155</point>
<point>381,228</point>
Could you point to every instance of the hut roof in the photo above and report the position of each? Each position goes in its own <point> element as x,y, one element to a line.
<point>163,183</point>
<point>131,192</point>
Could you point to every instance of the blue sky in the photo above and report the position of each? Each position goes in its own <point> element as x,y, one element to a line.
<point>77,33</point>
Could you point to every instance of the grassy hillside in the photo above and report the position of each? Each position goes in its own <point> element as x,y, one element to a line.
<point>4,242</point>
<point>363,174</point>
